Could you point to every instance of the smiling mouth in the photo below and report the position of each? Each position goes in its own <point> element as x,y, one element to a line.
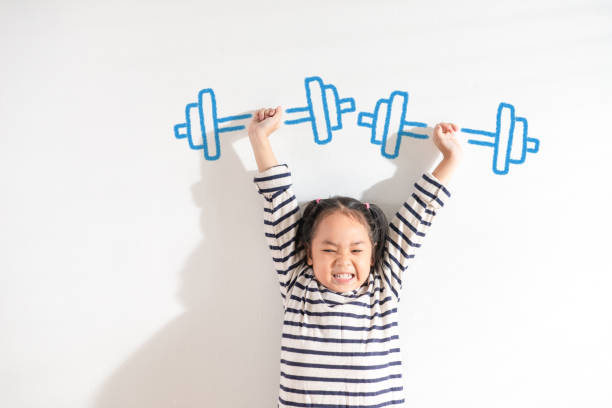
<point>343,277</point>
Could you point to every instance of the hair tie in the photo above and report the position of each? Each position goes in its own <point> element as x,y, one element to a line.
<point>367,205</point>
<point>318,199</point>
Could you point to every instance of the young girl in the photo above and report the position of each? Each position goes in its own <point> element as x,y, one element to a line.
<point>340,268</point>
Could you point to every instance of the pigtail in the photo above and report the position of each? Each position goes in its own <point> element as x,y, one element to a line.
<point>378,227</point>
<point>305,228</point>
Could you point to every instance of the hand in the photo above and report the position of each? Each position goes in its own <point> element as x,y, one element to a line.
<point>265,121</point>
<point>446,141</point>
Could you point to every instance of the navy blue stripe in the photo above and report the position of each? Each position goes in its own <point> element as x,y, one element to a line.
<point>343,380</point>
<point>277,194</point>
<point>404,237</point>
<point>299,275</point>
<point>435,183</point>
<point>274,177</point>
<point>396,245</point>
<point>342,341</point>
<point>281,205</point>
<point>306,405</point>
<point>285,245</point>
<point>395,261</point>
<point>294,279</point>
<point>397,279</point>
<point>339,327</point>
<point>341,366</point>
<point>278,189</point>
<point>281,260</point>
<point>281,219</point>
<point>423,204</point>
<point>344,393</point>
<point>356,316</point>
<point>341,353</point>
<point>416,214</point>
<point>387,280</point>
<point>284,272</point>
<point>283,232</point>
<point>427,193</point>
<point>354,303</point>
<point>409,225</point>
<point>373,293</point>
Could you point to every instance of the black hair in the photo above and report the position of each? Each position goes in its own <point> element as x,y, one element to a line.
<point>369,214</point>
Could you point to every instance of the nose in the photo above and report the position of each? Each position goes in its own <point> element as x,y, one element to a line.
<point>343,259</point>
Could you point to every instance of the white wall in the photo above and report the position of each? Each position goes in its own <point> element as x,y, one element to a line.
<point>134,273</point>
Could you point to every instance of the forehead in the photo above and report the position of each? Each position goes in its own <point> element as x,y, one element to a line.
<point>338,226</point>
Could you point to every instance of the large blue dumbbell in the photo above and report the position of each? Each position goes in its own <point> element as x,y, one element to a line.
<point>324,110</point>
<point>389,118</point>
<point>202,126</point>
<point>509,141</point>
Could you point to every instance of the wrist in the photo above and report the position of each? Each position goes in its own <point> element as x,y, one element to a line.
<point>452,158</point>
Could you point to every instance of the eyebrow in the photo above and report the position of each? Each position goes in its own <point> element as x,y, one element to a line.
<point>326,242</point>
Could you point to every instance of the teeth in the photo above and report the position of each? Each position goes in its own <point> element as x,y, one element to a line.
<point>343,276</point>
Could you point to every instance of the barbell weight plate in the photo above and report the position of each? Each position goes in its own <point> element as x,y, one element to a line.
<point>518,151</point>
<point>503,138</point>
<point>317,104</point>
<point>394,122</point>
<point>194,132</point>
<point>332,103</point>
<point>208,123</point>
<point>380,118</point>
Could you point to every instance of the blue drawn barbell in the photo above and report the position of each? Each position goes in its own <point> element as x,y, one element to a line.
<point>509,141</point>
<point>389,118</point>
<point>324,111</point>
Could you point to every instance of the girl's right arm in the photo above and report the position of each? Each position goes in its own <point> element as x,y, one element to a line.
<point>281,210</point>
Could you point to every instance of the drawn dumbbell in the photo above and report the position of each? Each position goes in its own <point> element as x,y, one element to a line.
<point>388,119</point>
<point>206,135</point>
<point>509,141</point>
<point>324,109</point>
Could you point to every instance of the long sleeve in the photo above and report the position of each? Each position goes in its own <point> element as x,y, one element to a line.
<point>408,228</point>
<point>281,221</point>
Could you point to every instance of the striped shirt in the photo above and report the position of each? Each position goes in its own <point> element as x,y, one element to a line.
<point>342,349</point>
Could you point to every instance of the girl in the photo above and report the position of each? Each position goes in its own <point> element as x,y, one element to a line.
<point>340,268</point>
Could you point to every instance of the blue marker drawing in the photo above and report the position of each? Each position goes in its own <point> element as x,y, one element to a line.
<point>509,141</point>
<point>324,110</point>
<point>389,120</point>
<point>206,135</point>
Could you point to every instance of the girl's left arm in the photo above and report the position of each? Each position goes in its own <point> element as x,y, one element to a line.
<point>412,221</point>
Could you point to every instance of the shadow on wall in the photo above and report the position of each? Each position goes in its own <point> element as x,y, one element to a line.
<point>223,351</point>
<point>390,193</point>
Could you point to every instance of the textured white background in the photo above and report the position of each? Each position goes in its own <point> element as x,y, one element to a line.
<point>134,274</point>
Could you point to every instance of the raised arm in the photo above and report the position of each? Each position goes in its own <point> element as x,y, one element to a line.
<point>281,211</point>
<point>411,222</point>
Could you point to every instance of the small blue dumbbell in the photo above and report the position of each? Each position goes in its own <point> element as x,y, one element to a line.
<point>509,141</point>
<point>324,110</point>
<point>389,118</point>
<point>206,135</point>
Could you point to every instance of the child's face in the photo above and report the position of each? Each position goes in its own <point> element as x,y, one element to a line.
<point>341,252</point>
